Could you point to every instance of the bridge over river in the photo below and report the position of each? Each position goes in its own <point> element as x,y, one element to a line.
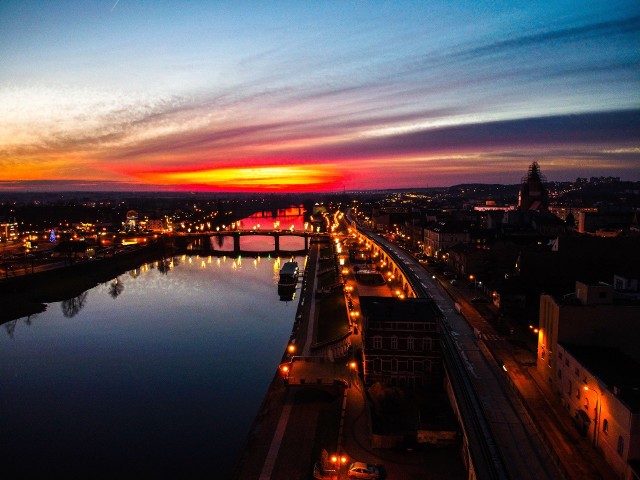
<point>217,243</point>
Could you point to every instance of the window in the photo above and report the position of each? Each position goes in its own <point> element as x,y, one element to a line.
<point>394,343</point>
<point>559,355</point>
<point>377,342</point>
<point>620,448</point>
<point>566,362</point>
<point>605,426</point>
<point>426,344</point>
<point>542,353</point>
<point>577,372</point>
<point>577,392</point>
<point>560,374</point>
<point>570,388</point>
<point>377,365</point>
<point>410,343</point>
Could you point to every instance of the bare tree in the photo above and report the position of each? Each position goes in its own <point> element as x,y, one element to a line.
<point>72,306</point>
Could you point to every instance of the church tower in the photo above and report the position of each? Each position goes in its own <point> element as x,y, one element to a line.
<point>533,194</point>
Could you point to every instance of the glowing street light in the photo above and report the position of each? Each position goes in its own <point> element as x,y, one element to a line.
<point>597,414</point>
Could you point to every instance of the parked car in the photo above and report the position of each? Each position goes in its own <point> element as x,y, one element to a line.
<point>479,300</point>
<point>363,470</point>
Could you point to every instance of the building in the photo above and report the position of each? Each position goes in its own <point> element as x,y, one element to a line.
<point>8,231</point>
<point>131,222</point>
<point>600,388</point>
<point>606,221</point>
<point>389,219</point>
<point>533,195</point>
<point>401,341</point>
<point>595,315</point>
<point>438,238</point>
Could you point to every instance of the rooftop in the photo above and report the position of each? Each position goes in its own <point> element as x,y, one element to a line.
<point>396,309</point>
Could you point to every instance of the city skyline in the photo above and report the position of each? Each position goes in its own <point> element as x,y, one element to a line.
<point>123,95</point>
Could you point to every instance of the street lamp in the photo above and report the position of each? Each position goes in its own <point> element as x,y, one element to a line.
<point>337,462</point>
<point>597,414</point>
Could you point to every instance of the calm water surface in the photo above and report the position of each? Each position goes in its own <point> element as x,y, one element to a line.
<point>160,371</point>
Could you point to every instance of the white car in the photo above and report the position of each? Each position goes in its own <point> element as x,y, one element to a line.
<point>363,470</point>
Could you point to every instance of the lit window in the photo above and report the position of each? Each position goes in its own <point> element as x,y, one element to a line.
<point>605,426</point>
<point>377,342</point>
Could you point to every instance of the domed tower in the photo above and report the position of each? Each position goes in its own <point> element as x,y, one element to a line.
<point>533,194</point>
<point>132,220</point>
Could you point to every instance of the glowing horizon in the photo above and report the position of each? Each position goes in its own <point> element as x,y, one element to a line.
<point>239,96</point>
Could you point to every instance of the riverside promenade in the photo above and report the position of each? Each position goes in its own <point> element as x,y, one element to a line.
<point>276,428</point>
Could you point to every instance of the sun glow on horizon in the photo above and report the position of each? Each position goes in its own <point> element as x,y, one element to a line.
<point>279,177</point>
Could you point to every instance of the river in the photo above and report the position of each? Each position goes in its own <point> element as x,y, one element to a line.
<point>159,372</point>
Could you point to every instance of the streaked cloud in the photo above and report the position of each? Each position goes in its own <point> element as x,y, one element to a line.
<point>321,96</point>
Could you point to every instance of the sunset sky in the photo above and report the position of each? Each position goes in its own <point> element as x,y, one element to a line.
<point>315,95</point>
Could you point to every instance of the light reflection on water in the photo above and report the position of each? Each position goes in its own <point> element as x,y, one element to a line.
<point>160,370</point>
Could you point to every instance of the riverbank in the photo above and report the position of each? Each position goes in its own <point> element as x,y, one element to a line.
<point>28,294</point>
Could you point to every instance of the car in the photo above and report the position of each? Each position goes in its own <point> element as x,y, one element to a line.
<point>479,300</point>
<point>363,470</point>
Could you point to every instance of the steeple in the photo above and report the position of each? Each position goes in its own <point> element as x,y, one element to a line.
<point>533,194</point>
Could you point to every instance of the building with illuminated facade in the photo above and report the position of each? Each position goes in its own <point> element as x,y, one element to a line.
<point>600,388</point>
<point>444,235</point>
<point>596,315</point>
<point>8,231</point>
<point>590,339</point>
